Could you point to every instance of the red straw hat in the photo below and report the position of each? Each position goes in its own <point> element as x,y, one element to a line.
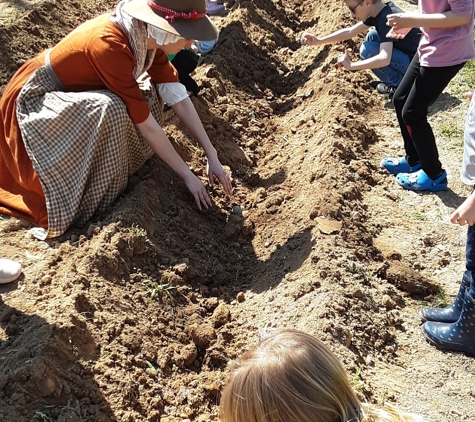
<point>186,18</point>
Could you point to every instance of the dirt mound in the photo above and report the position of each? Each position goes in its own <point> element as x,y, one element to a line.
<point>136,316</point>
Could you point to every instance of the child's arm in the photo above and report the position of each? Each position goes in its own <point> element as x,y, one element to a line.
<point>432,20</point>
<point>340,35</point>
<point>382,59</point>
<point>465,214</point>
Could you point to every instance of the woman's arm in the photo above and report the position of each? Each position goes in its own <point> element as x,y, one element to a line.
<point>158,140</point>
<point>186,111</point>
<point>432,20</point>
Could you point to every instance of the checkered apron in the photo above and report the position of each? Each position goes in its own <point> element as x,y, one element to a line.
<point>83,146</point>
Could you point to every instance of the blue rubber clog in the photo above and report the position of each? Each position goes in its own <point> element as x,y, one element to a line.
<point>396,165</point>
<point>419,181</point>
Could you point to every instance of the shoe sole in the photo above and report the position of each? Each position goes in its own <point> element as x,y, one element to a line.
<point>437,188</point>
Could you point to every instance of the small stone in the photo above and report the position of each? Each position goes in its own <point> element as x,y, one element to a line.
<point>46,280</point>
<point>90,230</point>
<point>444,262</point>
<point>240,297</point>
<point>238,209</point>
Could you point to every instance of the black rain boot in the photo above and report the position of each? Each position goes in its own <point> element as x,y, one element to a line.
<point>450,313</point>
<point>458,336</point>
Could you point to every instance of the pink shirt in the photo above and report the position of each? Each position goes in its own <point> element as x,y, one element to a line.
<point>441,47</point>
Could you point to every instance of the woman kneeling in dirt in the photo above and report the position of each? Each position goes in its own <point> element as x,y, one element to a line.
<point>72,117</point>
<point>293,377</point>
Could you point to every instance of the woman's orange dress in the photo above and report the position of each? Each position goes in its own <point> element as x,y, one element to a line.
<point>94,56</point>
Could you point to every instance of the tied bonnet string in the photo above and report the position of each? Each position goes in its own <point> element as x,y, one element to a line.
<point>171,15</point>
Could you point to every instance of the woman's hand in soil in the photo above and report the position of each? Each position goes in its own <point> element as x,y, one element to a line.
<point>344,61</point>
<point>309,39</point>
<point>465,214</point>
<point>215,168</point>
<point>198,190</point>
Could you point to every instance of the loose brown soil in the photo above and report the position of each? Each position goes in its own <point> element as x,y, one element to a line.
<point>136,316</point>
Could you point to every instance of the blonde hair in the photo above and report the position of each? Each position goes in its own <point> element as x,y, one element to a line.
<point>293,377</point>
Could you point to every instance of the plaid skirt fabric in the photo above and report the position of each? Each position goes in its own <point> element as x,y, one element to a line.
<point>83,146</point>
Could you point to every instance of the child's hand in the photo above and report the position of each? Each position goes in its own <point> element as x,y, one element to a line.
<point>308,39</point>
<point>344,61</point>
<point>398,34</point>
<point>396,20</point>
<point>465,214</point>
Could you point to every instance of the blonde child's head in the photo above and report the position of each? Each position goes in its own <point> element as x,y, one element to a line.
<point>293,377</point>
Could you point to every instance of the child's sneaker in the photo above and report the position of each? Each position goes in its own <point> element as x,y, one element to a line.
<point>374,84</point>
<point>383,88</point>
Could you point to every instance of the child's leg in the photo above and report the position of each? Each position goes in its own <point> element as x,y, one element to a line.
<point>428,84</point>
<point>399,64</point>
<point>458,335</point>
<point>467,173</point>
<point>393,73</point>
<point>185,62</point>
<point>399,99</point>
<point>470,257</point>
<point>370,48</point>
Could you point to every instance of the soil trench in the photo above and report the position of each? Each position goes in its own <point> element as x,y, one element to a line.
<point>137,315</point>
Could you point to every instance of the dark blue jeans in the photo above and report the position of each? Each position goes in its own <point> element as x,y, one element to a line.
<point>393,73</point>
<point>470,257</point>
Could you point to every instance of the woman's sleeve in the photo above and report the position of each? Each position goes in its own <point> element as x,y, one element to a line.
<point>114,63</point>
<point>162,71</point>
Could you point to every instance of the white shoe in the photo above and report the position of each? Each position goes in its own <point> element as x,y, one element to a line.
<point>9,270</point>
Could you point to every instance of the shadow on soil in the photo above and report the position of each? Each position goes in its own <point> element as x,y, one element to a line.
<point>45,360</point>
